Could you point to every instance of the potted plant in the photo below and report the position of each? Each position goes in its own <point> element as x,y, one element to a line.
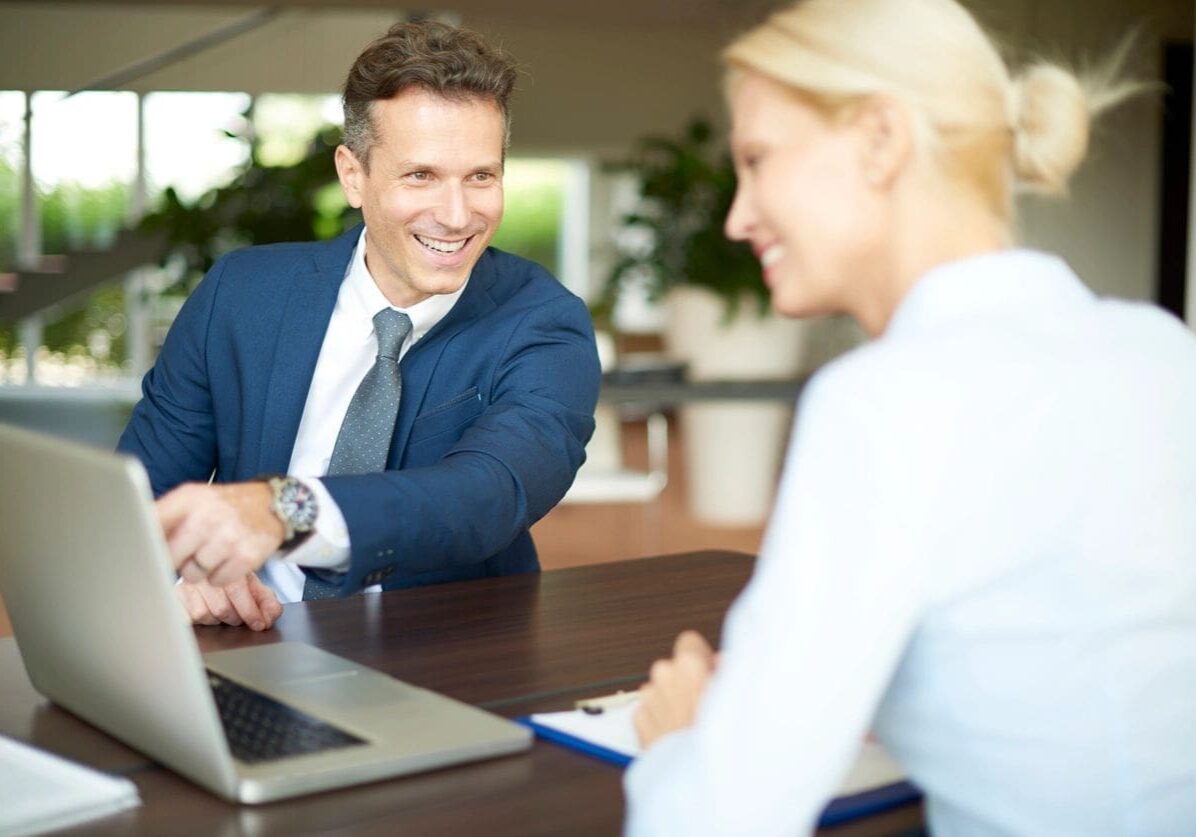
<point>263,204</point>
<point>685,187</point>
<point>718,321</point>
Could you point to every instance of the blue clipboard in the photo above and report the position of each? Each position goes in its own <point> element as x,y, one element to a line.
<point>575,743</point>
<point>839,810</point>
<point>865,803</point>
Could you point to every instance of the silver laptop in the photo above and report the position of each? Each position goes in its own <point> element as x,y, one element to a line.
<point>88,583</point>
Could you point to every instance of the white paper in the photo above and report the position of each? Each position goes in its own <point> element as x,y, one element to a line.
<point>614,730</point>
<point>42,792</point>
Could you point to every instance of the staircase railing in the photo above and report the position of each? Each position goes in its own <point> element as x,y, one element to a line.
<point>61,280</point>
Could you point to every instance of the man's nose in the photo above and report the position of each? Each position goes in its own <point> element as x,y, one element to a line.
<point>452,210</point>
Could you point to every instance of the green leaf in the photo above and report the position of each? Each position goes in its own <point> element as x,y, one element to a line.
<point>687,185</point>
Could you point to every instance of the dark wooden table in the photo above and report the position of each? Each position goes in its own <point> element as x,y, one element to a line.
<point>513,645</point>
<point>663,394</point>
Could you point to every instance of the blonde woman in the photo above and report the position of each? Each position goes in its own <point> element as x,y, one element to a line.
<point>984,544</point>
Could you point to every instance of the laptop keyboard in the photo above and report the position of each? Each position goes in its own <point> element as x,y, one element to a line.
<point>260,728</point>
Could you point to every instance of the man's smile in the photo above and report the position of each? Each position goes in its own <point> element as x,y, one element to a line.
<point>442,246</point>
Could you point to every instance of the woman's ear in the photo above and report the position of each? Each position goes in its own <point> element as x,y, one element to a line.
<point>887,139</point>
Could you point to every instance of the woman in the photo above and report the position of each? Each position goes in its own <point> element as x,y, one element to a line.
<point>984,543</point>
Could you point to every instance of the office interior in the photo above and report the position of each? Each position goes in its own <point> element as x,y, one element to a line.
<point>597,78</point>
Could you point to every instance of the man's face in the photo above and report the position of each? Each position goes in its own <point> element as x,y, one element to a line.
<point>432,198</point>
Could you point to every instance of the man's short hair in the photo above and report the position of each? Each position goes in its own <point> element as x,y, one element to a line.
<point>450,62</point>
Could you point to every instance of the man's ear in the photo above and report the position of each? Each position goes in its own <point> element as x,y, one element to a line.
<point>888,139</point>
<point>351,174</point>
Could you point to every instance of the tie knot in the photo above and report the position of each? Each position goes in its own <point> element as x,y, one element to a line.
<point>392,328</point>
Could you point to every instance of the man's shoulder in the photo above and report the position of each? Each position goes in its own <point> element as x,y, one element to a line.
<point>518,278</point>
<point>282,257</point>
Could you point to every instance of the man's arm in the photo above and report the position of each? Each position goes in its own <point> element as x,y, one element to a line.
<point>172,433</point>
<point>509,468</point>
<point>172,428</point>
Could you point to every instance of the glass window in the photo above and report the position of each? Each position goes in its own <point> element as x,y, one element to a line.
<point>12,128</point>
<point>84,157</point>
<point>194,141</point>
<point>286,124</point>
<point>84,162</point>
<point>531,224</point>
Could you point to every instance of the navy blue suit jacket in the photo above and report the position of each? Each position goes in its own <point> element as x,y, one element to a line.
<point>498,404</point>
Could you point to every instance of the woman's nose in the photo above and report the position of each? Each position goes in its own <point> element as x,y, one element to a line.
<point>738,224</point>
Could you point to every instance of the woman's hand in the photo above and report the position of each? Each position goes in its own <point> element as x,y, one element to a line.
<point>669,700</point>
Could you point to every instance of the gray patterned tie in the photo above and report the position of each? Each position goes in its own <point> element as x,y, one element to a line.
<point>363,443</point>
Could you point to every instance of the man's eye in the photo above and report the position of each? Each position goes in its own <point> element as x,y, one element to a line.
<point>419,175</point>
<point>483,176</point>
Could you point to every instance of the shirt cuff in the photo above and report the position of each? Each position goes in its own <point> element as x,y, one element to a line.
<point>656,787</point>
<point>328,546</point>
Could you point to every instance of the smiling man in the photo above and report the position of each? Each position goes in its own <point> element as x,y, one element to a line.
<point>393,408</point>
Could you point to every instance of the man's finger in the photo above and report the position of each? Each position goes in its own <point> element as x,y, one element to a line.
<point>192,572</point>
<point>190,532</point>
<point>232,570</point>
<point>246,605</point>
<point>224,552</point>
<point>216,555</point>
<point>194,605</point>
<point>174,506</point>
<point>267,599</point>
<point>219,603</point>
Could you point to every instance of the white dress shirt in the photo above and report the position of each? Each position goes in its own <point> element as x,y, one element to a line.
<point>985,544</point>
<point>348,352</point>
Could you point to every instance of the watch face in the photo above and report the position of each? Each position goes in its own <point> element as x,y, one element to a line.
<point>298,504</point>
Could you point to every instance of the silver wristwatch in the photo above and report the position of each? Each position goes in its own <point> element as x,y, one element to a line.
<point>295,505</point>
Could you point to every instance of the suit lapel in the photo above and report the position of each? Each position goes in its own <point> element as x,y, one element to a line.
<point>420,362</point>
<point>310,298</point>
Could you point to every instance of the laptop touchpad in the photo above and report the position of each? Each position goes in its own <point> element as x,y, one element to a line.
<point>312,679</point>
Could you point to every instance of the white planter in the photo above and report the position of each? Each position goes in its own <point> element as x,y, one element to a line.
<point>732,449</point>
<point>732,452</point>
<point>749,347</point>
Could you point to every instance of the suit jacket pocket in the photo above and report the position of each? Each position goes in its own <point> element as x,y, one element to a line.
<point>450,415</point>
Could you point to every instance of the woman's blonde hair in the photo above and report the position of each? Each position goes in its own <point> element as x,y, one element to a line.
<point>991,131</point>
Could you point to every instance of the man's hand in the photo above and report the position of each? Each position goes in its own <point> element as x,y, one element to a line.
<point>219,533</point>
<point>669,700</point>
<point>244,602</point>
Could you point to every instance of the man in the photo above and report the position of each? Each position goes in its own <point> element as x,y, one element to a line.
<point>429,398</point>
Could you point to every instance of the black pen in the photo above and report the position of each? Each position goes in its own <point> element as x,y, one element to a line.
<point>598,705</point>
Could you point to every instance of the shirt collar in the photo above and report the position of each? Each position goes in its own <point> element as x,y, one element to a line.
<point>1004,279</point>
<point>365,299</point>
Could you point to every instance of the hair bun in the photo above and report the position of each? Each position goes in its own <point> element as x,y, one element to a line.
<point>1050,127</point>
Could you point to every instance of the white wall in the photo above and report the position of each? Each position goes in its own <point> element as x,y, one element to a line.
<point>1108,227</point>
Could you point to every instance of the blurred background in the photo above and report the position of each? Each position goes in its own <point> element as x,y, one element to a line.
<point>139,140</point>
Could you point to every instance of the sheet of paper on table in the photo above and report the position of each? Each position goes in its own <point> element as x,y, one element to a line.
<point>874,783</point>
<point>41,792</point>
